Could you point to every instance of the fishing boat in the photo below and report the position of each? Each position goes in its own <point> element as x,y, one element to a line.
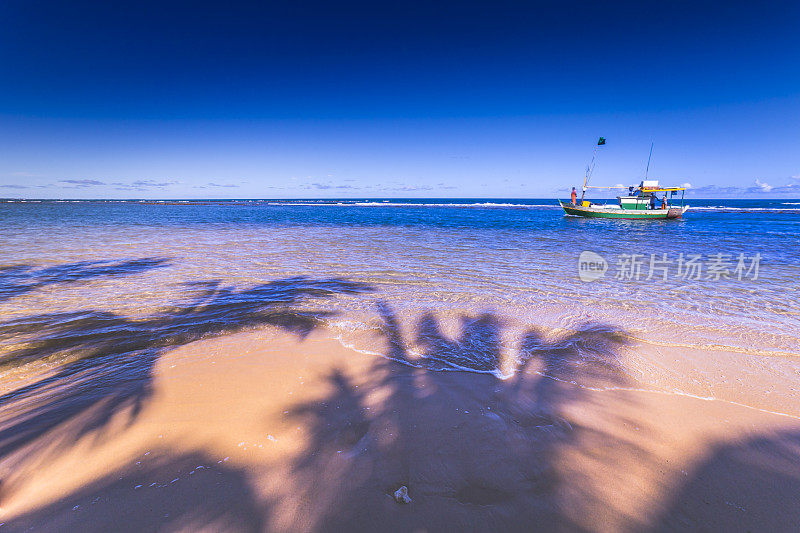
<point>637,204</point>
<point>640,202</point>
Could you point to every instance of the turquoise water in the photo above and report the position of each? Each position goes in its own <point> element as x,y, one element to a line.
<point>460,273</point>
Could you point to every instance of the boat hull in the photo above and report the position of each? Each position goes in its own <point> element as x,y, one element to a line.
<point>639,214</point>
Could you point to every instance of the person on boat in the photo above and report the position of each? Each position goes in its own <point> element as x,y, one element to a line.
<point>652,201</point>
<point>664,201</point>
<point>574,196</point>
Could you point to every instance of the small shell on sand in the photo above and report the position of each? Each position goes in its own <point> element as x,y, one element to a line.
<point>401,495</point>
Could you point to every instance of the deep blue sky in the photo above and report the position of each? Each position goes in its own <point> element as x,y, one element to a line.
<point>299,99</point>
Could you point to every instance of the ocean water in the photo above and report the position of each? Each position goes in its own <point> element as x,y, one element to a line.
<point>708,304</point>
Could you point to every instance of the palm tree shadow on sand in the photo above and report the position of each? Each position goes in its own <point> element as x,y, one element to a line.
<point>105,361</point>
<point>750,485</point>
<point>475,451</point>
<point>17,280</point>
<point>163,492</point>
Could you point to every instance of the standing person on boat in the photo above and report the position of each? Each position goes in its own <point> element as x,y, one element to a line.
<point>664,201</point>
<point>574,196</point>
<point>652,201</point>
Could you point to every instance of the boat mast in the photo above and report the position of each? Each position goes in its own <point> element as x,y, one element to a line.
<point>647,170</point>
<point>590,168</point>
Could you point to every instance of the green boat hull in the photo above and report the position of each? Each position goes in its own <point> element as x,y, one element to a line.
<point>594,212</point>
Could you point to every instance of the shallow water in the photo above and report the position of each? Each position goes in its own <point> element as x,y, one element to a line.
<point>467,279</point>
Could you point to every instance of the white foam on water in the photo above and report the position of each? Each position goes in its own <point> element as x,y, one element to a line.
<point>748,209</point>
<point>505,376</point>
<point>385,203</point>
<point>418,361</point>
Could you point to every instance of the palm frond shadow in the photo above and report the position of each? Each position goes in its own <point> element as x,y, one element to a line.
<point>16,280</point>
<point>164,491</point>
<point>475,451</point>
<point>748,485</point>
<point>105,361</point>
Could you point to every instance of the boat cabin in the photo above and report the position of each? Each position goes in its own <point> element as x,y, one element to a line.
<point>634,202</point>
<point>638,198</point>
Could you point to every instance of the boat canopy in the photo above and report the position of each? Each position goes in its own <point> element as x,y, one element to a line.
<point>644,189</point>
<point>663,189</point>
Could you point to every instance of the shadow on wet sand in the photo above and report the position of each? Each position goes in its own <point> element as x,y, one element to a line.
<point>476,451</point>
<point>162,492</point>
<point>16,280</point>
<point>104,361</point>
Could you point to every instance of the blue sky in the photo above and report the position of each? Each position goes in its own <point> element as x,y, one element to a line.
<point>467,99</point>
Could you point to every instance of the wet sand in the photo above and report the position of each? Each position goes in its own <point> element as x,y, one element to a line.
<point>268,430</point>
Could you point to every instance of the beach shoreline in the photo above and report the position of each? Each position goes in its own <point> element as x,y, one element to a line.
<point>290,367</point>
<point>305,434</point>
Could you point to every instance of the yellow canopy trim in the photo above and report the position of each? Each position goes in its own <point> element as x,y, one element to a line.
<point>648,189</point>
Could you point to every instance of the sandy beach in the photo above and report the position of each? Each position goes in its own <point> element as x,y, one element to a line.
<point>412,267</point>
<point>271,430</point>
<point>291,367</point>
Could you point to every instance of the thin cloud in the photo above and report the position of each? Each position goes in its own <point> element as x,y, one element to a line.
<point>715,190</point>
<point>410,188</point>
<point>327,186</point>
<point>127,187</point>
<point>152,183</point>
<point>142,185</point>
<point>14,186</point>
<point>82,183</point>
<point>792,188</point>
<point>765,187</point>
<point>758,187</point>
<point>214,185</point>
